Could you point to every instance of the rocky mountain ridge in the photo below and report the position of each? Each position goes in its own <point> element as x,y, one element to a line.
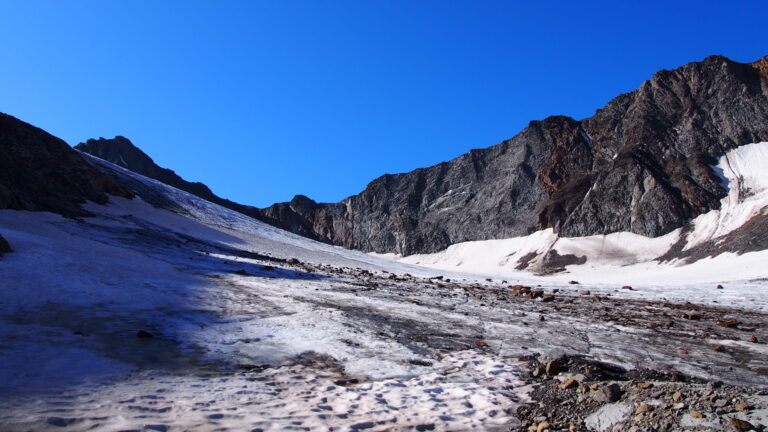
<point>641,164</point>
<point>122,152</point>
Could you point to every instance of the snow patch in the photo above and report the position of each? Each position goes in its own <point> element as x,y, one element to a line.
<point>605,418</point>
<point>744,172</point>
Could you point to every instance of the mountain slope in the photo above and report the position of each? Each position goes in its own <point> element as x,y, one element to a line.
<point>728,243</point>
<point>121,151</point>
<point>641,164</point>
<point>40,172</point>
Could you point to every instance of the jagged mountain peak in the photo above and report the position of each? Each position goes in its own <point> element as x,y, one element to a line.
<point>121,151</point>
<point>640,164</point>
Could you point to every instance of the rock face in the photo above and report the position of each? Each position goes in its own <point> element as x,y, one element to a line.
<point>40,172</point>
<point>640,164</point>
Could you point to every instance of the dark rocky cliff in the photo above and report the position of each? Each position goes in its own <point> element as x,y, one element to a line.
<point>40,172</point>
<point>640,164</point>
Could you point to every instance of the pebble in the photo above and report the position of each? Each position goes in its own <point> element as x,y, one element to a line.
<point>741,406</point>
<point>644,408</point>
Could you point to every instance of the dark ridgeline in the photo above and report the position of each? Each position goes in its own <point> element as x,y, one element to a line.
<point>120,151</point>
<point>640,164</point>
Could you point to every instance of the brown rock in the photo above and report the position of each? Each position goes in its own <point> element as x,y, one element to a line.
<point>696,414</point>
<point>480,344</point>
<point>719,348</point>
<point>741,406</point>
<point>569,383</point>
<point>520,290</point>
<point>553,367</point>
<point>542,426</point>
<point>643,409</point>
<point>739,425</point>
<point>627,287</point>
<point>607,394</point>
<point>752,339</point>
<point>645,385</point>
<point>573,282</point>
<point>548,298</point>
<point>585,292</point>
<point>730,323</point>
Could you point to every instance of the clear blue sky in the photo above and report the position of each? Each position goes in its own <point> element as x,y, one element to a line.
<point>264,100</point>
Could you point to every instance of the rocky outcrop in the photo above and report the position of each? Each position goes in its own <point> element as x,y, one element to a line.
<point>5,247</point>
<point>40,172</point>
<point>640,164</point>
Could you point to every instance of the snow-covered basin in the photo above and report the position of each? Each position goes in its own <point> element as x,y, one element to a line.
<point>74,293</point>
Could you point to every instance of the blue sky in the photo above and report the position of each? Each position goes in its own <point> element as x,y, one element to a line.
<point>265,100</point>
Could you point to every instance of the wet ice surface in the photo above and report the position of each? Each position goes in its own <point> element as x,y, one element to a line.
<point>245,340</point>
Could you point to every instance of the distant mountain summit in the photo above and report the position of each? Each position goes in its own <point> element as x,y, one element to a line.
<point>121,151</point>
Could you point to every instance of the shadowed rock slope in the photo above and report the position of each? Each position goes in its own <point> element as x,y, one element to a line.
<point>40,172</point>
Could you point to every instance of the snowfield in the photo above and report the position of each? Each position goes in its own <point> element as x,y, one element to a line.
<point>254,328</point>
